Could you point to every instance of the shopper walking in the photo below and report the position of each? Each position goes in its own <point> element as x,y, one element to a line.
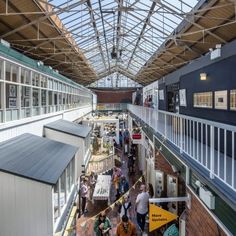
<point>141,206</point>
<point>126,227</point>
<point>92,183</point>
<point>125,207</point>
<point>116,180</point>
<point>123,185</point>
<point>84,195</point>
<point>102,225</point>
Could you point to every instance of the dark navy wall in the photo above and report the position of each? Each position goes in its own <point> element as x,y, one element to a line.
<point>162,104</point>
<point>220,76</point>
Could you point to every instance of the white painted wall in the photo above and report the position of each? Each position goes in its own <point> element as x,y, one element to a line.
<point>25,207</point>
<point>34,125</point>
<point>72,140</point>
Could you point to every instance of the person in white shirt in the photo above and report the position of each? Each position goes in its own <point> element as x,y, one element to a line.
<point>84,195</point>
<point>141,206</point>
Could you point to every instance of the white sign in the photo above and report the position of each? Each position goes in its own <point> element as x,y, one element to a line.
<point>182,98</point>
<point>161,94</point>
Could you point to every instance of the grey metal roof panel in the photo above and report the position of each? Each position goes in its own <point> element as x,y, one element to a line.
<point>71,128</point>
<point>36,158</point>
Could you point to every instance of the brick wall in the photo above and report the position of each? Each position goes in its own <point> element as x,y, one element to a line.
<point>163,165</point>
<point>199,222</point>
<point>114,96</point>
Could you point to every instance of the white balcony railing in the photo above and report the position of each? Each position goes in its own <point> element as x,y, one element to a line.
<point>210,144</point>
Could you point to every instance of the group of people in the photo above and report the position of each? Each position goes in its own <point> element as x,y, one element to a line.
<point>86,190</point>
<point>126,211</point>
<point>126,227</point>
<point>148,102</point>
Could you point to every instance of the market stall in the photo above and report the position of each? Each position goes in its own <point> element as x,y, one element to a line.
<point>102,188</point>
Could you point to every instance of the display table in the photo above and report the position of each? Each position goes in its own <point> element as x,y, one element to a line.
<point>102,188</point>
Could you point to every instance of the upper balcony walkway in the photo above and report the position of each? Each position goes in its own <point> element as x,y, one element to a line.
<point>204,145</point>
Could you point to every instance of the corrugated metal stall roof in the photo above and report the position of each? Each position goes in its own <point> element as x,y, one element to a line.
<point>35,158</point>
<point>68,127</point>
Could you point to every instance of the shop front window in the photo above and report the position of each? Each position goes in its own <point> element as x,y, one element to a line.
<point>68,173</point>
<point>8,71</point>
<point>63,190</point>
<point>1,65</point>
<point>35,79</point>
<point>14,70</point>
<point>72,173</point>
<point>50,98</point>
<point>56,200</point>
<point>35,97</point>
<point>43,97</point>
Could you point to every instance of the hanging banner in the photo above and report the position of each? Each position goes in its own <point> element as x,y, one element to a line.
<point>159,217</point>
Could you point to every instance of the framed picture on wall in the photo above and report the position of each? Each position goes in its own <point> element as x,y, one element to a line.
<point>161,94</point>
<point>221,99</point>
<point>233,100</point>
<point>182,98</point>
<point>12,102</point>
<point>12,90</point>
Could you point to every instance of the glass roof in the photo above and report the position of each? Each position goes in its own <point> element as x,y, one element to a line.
<point>115,80</point>
<point>121,34</point>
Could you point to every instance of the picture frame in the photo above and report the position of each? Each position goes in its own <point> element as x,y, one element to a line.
<point>12,102</point>
<point>221,100</point>
<point>12,90</point>
<point>182,98</point>
<point>161,94</point>
<point>233,100</point>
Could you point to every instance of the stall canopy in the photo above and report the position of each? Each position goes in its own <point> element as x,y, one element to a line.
<point>35,158</point>
<point>81,131</point>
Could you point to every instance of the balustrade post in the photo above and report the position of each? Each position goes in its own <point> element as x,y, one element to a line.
<point>212,152</point>
<point>181,135</point>
<point>165,130</point>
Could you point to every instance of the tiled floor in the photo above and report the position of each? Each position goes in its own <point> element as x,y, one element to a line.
<point>86,222</point>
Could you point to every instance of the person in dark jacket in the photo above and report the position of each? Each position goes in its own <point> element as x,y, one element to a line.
<point>123,185</point>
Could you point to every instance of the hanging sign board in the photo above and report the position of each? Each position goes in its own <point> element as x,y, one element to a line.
<point>159,217</point>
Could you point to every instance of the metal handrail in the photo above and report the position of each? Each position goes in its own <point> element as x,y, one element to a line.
<point>208,122</point>
<point>211,144</point>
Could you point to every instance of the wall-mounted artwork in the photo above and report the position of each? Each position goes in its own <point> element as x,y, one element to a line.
<point>12,90</point>
<point>233,100</point>
<point>161,94</point>
<point>12,102</point>
<point>221,99</point>
<point>182,98</point>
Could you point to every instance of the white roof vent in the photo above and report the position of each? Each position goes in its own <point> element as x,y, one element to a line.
<point>5,43</point>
